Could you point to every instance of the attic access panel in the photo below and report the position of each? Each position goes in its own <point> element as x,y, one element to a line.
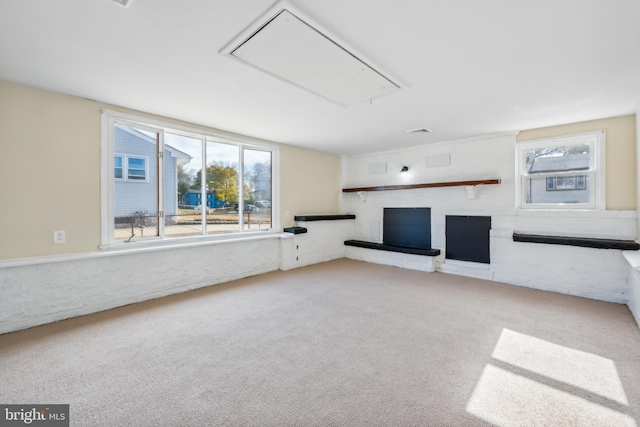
<point>291,49</point>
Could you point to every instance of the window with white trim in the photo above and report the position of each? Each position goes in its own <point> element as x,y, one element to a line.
<point>564,172</point>
<point>130,168</point>
<point>176,170</point>
<point>118,167</point>
<point>136,168</point>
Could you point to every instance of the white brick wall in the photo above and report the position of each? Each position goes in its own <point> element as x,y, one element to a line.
<point>323,241</point>
<point>633,281</point>
<point>586,272</point>
<point>593,273</point>
<point>46,292</point>
<point>634,294</point>
<point>396,259</point>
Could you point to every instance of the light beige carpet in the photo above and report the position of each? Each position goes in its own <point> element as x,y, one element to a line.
<point>343,343</point>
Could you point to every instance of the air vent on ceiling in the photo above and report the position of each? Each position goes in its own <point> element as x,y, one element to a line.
<point>419,130</point>
<point>287,44</point>
<point>124,3</point>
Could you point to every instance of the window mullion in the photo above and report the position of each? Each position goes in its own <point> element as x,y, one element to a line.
<point>160,181</point>
<point>203,187</point>
<point>241,188</point>
<point>559,173</point>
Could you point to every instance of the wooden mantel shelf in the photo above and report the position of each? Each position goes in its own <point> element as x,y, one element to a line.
<point>426,185</point>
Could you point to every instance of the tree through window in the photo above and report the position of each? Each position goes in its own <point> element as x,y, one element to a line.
<point>167,183</point>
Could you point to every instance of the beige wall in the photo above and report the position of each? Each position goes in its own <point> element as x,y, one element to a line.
<point>50,173</point>
<point>620,155</point>
<point>319,192</point>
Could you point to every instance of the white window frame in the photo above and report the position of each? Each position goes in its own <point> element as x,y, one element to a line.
<point>108,120</point>
<point>125,168</point>
<point>146,168</point>
<point>596,173</point>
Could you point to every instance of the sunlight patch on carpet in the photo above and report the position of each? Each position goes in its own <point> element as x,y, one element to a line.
<point>517,395</point>
<point>506,399</point>
<point>587,371</point>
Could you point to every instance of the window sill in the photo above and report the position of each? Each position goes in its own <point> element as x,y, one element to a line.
<point>187,241</point>
<point>560,208</point>
<point>137,247</point>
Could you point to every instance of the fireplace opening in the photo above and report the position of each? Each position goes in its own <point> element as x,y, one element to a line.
<point>467,238</point>
<point>407,227</point>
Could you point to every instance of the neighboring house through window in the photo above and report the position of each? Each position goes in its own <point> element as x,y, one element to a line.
<point>562,172</point>
<point>562,183</point>
<point>150,169</point>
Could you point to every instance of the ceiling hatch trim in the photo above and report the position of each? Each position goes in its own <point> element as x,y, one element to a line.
<point>288,44</point>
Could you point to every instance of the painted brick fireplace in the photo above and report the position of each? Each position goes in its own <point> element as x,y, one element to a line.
<point>583,271</point>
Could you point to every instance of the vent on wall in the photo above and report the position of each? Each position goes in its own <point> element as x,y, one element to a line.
<point>377,168</point>
<point>124,3</point>
<point>287,45</point>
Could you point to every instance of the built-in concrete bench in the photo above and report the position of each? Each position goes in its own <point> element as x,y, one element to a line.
<point>391,248</point>
<point>585,242</point>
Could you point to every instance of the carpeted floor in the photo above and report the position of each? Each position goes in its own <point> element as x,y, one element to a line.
<point>343,343</point>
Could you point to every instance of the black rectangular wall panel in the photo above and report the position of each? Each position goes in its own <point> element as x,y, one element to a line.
<point>408,227</point>
<point>467,238</point>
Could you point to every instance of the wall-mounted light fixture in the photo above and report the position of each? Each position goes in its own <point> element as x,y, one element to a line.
<point>404,169</point>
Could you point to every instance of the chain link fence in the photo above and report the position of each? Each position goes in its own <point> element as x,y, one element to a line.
<point>188,222</point>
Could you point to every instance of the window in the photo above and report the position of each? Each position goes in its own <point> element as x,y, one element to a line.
<point>560,183</point>
<point>118,163</point>
<point>551,183</point>
<point>562,173</point>
<point>189,183</point>
<point>136,168</point>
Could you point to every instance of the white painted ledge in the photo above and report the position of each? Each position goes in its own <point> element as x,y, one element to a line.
<point>633,258</point>
<point>140,247</point>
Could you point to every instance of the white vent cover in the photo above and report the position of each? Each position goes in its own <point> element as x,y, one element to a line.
<point>290,48</point>
<point>124,3</point>
<point>436,160</point>
<point>376,168</point>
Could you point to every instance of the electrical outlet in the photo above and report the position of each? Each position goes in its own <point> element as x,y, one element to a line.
<point>59,236</point>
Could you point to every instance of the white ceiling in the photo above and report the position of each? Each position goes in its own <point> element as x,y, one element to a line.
<point>465,67</point>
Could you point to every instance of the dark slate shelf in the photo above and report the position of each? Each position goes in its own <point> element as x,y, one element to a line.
<point>324,217</point>
<point>390,248</point>
<point>295,230</point>
<point>585,242</point>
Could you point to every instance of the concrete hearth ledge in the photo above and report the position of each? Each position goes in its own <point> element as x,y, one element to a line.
<point>391,248</point>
